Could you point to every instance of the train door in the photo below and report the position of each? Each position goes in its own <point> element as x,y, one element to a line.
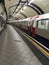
<point>34,23</point>
<point>29,25</point>
<point>33,27</point>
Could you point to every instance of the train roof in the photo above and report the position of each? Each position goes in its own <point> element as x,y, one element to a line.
<point>26,19</point>
<point>43,16</point>
<point>37,17</point>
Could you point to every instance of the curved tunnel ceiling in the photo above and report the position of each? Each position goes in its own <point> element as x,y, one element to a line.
<point>19,5</point>
<point>35,7</point>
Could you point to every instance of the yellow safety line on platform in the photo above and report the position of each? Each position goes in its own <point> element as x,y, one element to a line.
<point>35,44</point>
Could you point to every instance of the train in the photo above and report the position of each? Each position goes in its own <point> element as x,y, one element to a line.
<point>37,27</point>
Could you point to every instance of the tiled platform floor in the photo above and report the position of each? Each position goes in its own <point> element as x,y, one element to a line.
<point>14,51</point>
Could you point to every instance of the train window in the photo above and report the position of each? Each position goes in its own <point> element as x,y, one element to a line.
<point>47,22</point>
<point>34,24</point>
<point>29,23</point>
<point>25,22</point>
<point>43,24</point>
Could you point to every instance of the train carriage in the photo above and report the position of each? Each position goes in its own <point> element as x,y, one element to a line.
<point>37,26</point>
<point>26,24</point>
<point>41,29</point>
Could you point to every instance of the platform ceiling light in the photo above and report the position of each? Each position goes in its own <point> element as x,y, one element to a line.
<point>24,7</point>
<point>41,0</point>
<point>21,10</point>
<point>9,0</point>
<point>31,1</point>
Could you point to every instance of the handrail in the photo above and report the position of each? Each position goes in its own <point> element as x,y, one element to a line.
<point>12,6</point>
<point>17,6</point>
<point>4,8</point>
<point>20,1</point>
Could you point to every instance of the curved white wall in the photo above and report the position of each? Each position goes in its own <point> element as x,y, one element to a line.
<point>34,7</point>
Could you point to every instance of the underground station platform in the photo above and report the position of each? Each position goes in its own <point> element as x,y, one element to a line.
<point>16,49</point>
